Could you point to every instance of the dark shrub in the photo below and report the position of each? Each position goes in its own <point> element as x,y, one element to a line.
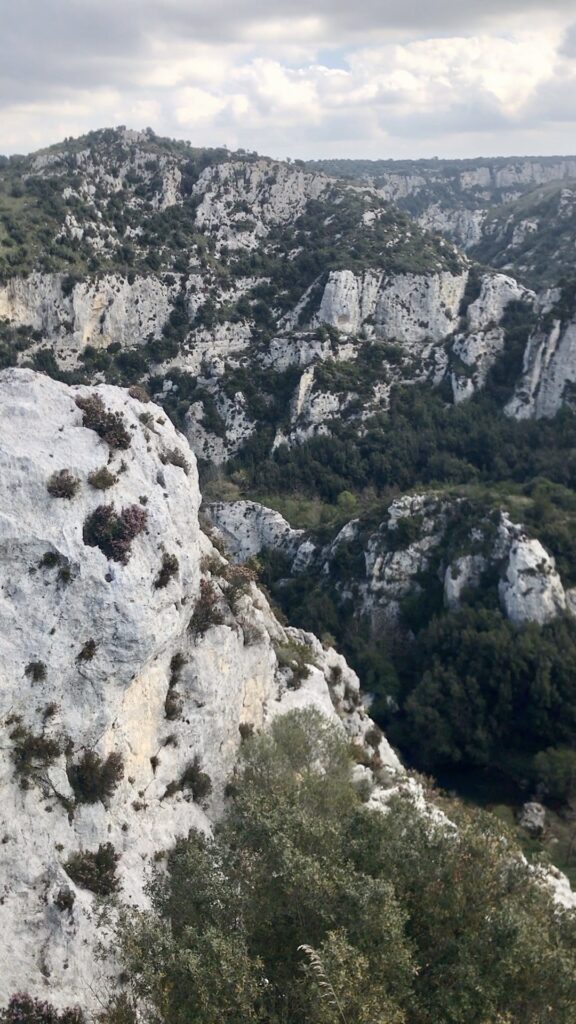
<point>36,670</point>
<point>64,900</point>
<point>194,779</point>
<point>88,651</point>
<point>30,752</point>
<point>63,484</point>
<point>172,705</point>
<point>206,612</point>
<point>101,479</point>
<point>95,870</point>
<point>177,663</point>
<point>93,778</point>
<point>168,569</point>
<point>23,1009</point>
<point>113,533</point>
<point>110,426</point>
<point>175,457</point>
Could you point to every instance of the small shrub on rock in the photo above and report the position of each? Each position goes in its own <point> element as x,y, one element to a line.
<point>64,900</point>
<point>206,613</point>
<point>194,779</point>
<point>88,651</point>
<point>175,457</point>
<point>168,569</point>
<point>63,484</point>
<point>172,705</point>
<point>239,578</point>
<point>23,1009</point>
<point>110,426</point>
<point>93,778</point>
<point>101,479</point>
<point>114,532</point>
<point>95,870</point>
<point>296,657</point>
<point>31,752</point>
<point>36,671</point>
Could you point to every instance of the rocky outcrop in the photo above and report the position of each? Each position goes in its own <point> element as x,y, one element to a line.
<point>403,307</point>
<point>475,350</point>
<point>123,635</point>
<point>530,588</point>
<point>413,540</point>
<point>110,309</point>
<point>549,372</point>
<point>241,201</point>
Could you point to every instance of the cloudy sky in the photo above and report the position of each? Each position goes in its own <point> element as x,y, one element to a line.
<point>300,78</point>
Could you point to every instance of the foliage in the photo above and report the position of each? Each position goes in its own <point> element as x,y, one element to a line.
<point>31,752</point>
<point>93,778</point>
<point>36,670</point>
<point>206,611</point>
<point>24,1009</point>
<point>175,457</point>
<point>63,484</point>
<point>310,908</point>
<point>101,479</point>
<point>475,686</point>
<point>110,426</point>
<point>114,532</point>
<point>167,571</point>
<point>555,771</point>
<point>297,658</point>
<point>95,870</point>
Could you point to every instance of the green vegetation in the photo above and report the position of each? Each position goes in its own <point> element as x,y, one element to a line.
<point>113,532</point>
<point>94,778</point>
<point>95,870</point>
<point>307,907</point>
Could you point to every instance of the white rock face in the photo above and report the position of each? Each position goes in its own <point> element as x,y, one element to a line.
<point>549,371</point>
<point>404,307</point>
<point>59,595</point>
<point>531,589</point>
<point>484,339</point>
<point>241,201</point>
<point>95,312</point>
<point>349,299</point>
<point>247,527</point>
<point>463,226</point>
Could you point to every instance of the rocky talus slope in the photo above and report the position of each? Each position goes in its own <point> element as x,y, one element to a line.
<point>133,656</point>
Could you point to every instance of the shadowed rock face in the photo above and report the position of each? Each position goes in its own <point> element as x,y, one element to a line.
<point>96,656</point>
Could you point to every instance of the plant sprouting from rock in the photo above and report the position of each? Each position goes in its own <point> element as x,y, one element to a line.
<point>63,484</point>
<point>110,426</point>
<point>113,532</point>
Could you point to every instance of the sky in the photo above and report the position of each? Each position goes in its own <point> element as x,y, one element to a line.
<point>297,78</point>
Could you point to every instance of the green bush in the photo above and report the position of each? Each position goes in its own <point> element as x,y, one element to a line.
<point>95,870</point>
<point>167,571</point>
<point>24,1009</point>
<point>555,772</point>
<point>63,484</point>
<point>110,426</point>
<point>206,611</point>
<point>93,778</point>
<point>101,479</point>
<point>311,908</point>
<point>114,532</point>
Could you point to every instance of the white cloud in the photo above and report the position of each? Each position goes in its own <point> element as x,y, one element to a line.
<point>500,76</point>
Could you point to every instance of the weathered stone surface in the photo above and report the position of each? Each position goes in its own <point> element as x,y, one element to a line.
<point>86,660</point>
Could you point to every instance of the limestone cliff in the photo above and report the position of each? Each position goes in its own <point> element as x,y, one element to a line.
<point>129,645</point>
